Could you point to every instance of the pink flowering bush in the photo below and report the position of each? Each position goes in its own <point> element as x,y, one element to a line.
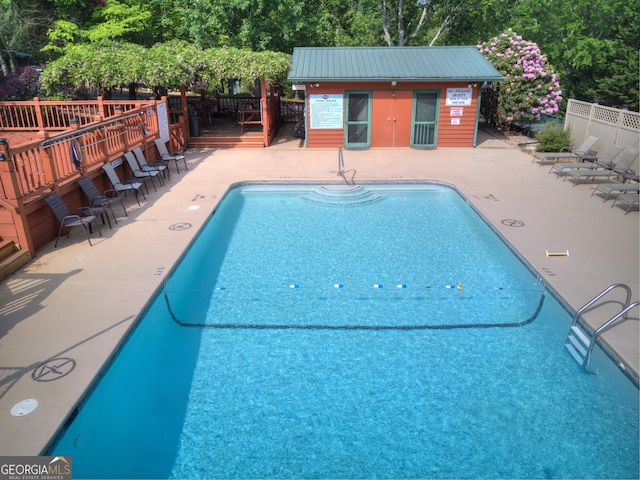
<point>529,89</point>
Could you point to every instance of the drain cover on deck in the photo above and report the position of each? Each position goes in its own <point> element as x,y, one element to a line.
<point>25,407</point>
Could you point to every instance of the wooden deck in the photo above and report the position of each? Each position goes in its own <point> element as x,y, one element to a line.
<point>226,132</point>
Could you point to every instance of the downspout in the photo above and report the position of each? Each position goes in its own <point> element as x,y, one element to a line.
<point>475,130</point>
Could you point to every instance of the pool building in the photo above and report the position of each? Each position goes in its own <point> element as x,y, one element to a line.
<point>367,97</point>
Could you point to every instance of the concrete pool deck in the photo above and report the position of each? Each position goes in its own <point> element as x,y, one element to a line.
<point>64,314</point>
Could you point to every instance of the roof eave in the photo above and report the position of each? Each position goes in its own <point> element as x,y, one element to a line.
<point>399,80</point>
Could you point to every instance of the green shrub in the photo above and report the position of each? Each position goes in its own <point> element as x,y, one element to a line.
<point>553,138</point>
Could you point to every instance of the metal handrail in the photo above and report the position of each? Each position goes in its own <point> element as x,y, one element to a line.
<point>341,171</point>
<point>599,296</point>
<point>602,328</point>
<point>627,306</point>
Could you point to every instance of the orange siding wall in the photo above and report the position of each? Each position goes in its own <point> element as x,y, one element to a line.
<point>449,135</point>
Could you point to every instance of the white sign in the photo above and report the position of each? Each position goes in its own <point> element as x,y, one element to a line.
<point>459,97</point>
<point>163,121</point>
<point>455,121</point>
<point>456,112</point>
<point>326,110</point>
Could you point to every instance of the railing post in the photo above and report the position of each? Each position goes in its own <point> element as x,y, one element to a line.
<point>264,106</point>
<point>101,110</point>
<point>39,117</point>
<point>11,191</point>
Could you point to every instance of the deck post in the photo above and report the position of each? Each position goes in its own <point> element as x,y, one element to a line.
<point>39,117</point>
<point>264,107</point>
<point>185,110</point>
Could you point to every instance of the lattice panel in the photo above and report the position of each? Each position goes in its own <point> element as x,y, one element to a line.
<point>631,120</point>
<point>606,114</point>
<point>579,109</point>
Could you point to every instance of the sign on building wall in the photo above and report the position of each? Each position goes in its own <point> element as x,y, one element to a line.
<point>459,97</point>
<point>326,110</point>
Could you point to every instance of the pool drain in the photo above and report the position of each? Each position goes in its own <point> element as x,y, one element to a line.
<point>25,407</point>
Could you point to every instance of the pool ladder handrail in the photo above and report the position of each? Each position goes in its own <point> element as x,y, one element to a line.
<point>575,331</point>
<point>342,172</point>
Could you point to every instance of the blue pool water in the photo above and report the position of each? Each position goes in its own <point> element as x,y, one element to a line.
<point>383,331</point>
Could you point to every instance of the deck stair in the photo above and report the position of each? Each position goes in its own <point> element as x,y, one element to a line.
<point>579,343</point>
<point>343,195</point>
<point>12,257</point>
<point>212,140</point>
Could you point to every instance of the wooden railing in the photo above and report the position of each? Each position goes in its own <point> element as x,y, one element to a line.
<point>42,165</point>
<point>47,116</point>
<point>32,164</point>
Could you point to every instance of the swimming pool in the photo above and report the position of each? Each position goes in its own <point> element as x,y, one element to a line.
<point>334,332</point>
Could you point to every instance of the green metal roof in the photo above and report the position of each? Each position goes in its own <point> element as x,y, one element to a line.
<point>426,64</point>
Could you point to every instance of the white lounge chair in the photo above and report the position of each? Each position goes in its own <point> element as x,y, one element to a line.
<point>605,161</point>
<point>621,167</point>
<point>584,149</point>
<point>166,156</point>
<point>608,189</point>
<point>630,199</point>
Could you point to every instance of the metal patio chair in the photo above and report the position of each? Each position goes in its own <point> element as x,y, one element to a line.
<point>147,166</point>
<point>105,200</point>
<point>141,174</point>
<point>129,184</point>
<point>166,156</point>
<point>68,220</point>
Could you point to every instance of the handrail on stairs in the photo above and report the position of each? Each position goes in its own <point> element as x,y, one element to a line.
<point>603,327</point>
<point>590,342</point>
<point>342,172</point>
<point>599,296</point>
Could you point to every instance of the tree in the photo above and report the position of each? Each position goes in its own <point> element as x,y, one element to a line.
<point>479,19</point>
<point>402,21</point>
<point>275,25</point>
<point>530,87</point>
<point>593,44</point>
<point>113,21</point>
<point>22,24</point>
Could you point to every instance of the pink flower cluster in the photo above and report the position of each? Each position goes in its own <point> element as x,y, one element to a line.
<point>530,88</point>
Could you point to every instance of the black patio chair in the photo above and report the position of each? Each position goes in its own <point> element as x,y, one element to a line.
<point>68,220</point>
<point>101,200</point>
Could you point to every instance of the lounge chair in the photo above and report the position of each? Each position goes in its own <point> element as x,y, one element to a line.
<point>166,156</point>
<point>604,161</point>
<point>129,184</point>
<point>137,172</point>
<point>630,199</point>
<point>620,168</point>
<point>102,200</point>
<point>583,150</point>
<point>68,220</point>
<point>618,187</point>
<point>146,166</point>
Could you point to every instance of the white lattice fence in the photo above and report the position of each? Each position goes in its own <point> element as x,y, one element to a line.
<point>611,125</point>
